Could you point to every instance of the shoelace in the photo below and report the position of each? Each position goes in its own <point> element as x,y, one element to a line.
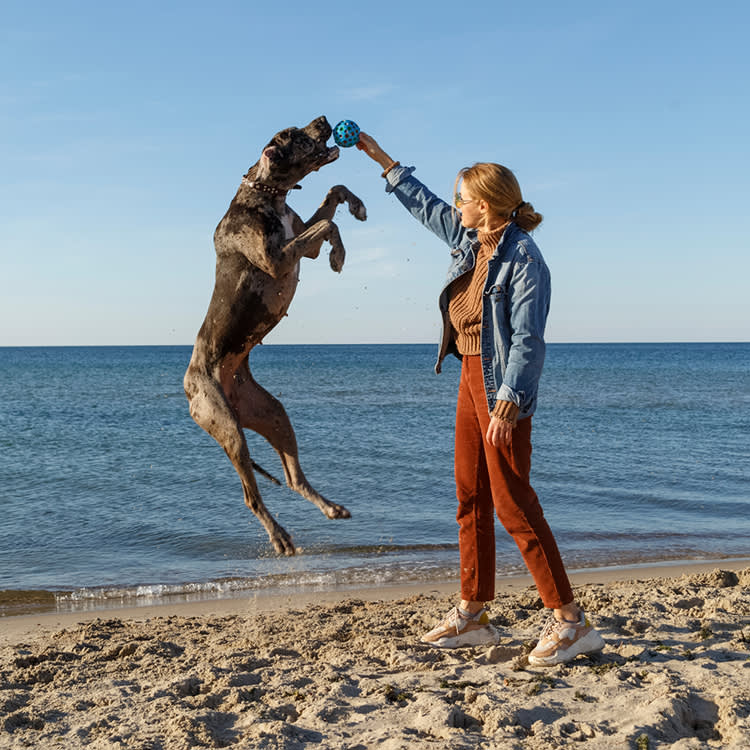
<point>552,626</point>
<point>549,627</point>
<point>454,618</point>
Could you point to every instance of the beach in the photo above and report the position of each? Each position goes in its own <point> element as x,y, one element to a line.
<point>346,669</point>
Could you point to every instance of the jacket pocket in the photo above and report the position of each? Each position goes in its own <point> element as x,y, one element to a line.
<point>497,291</point>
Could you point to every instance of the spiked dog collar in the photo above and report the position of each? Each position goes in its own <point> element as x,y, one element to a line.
<point>261,187</point>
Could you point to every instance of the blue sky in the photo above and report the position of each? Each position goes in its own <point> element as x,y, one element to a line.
<point>126,127</point>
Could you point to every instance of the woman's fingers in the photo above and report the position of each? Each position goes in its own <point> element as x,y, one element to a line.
<point>499,432</point>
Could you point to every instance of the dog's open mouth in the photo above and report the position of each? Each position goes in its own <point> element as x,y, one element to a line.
<point>331,154</point>
<point>326,156</point>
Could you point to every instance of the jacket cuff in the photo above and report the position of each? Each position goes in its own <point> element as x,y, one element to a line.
<point>506,393</point>
<point>396,176</point>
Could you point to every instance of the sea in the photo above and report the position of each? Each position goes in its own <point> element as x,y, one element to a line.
<point>110,495</point>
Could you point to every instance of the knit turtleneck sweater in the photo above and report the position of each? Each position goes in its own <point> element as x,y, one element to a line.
<point>465,305</point>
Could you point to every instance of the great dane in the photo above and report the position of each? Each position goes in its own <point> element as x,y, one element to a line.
<point>259,243</point>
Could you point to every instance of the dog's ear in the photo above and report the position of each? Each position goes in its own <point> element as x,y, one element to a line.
<point>271,153</point>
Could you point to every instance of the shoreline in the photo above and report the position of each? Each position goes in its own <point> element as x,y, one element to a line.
<point>16,627</point>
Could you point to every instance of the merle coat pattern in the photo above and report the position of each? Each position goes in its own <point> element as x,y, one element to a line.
<point>259,243</point>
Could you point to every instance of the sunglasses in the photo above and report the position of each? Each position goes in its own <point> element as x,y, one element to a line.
<point>458,201</point>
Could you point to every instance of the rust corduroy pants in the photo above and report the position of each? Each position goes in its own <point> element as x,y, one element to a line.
<point>493,480</point>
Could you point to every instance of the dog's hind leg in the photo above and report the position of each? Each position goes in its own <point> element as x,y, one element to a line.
<point>264,414</point>
<point>210,409</point>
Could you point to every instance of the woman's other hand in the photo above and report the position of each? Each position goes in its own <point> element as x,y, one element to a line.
<point>499,432</point>
<point>502,421</point>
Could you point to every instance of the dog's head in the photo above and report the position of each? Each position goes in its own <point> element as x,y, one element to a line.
<point>293,153</point>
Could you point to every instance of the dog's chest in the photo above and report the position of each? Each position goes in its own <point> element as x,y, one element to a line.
<point>286,223</point>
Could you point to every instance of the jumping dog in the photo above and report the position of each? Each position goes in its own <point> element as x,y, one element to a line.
<point>259,244</point>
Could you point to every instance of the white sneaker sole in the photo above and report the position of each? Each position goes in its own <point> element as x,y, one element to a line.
<point>589,644</point>
<point>487,634</point>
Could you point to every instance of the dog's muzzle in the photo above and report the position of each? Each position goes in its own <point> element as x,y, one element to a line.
<point>331,154</point>
<point>327,156</point>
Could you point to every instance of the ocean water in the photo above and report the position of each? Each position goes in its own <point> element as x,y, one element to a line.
<point>111,494</point>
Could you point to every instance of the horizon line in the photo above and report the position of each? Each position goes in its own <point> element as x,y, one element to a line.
<point>366,343</point>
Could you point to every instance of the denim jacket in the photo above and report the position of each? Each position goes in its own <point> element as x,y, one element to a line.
<point>515,302</point>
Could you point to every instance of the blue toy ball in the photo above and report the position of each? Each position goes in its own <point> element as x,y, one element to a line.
<point>346,133</point>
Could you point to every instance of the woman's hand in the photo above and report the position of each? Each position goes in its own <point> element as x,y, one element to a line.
<point>502,421</point>
<point>371,147</point>
<point>499,432</point>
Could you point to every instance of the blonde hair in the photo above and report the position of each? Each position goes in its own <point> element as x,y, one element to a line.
<point>498,186</point>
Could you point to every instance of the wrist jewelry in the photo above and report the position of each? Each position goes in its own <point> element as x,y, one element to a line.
<point>390,167</point>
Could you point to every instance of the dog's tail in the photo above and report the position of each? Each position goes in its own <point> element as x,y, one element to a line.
<point>262,471</point>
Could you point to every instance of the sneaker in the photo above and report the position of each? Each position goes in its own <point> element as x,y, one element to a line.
<point>562,641</point>
<point>459,628</point>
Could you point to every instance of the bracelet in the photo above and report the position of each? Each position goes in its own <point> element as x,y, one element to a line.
<point>390,167</point>
<point>506,411</point>
<point>507,420</point>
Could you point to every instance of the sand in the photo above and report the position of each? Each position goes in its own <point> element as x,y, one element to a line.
<point>347,670</point>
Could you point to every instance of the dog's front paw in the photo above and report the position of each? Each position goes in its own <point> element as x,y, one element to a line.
<point>336,257</point>
<point>357,208</point>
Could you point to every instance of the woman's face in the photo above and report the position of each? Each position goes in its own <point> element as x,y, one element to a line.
<point>472,215</point>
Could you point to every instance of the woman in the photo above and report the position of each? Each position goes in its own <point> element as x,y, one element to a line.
<point>494,308</point>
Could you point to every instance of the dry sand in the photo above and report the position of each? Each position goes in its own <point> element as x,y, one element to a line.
<point>347,670</point>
